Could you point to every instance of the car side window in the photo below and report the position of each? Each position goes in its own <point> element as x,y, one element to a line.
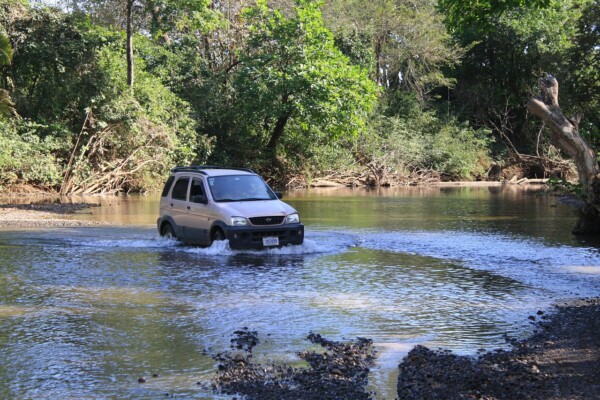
<point>197,189</point>
<point>180,189</point>
<point>165,191</point>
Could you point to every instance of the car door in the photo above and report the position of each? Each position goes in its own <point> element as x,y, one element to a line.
<point>178,205</point>
<point>199,214</point>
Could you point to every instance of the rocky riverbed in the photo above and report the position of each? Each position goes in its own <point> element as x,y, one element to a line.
<point>560,361</point>
<point>340,371</point>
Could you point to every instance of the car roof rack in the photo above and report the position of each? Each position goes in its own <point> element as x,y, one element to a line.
<point>200,168</point>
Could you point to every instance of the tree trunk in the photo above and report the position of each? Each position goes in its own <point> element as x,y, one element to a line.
<point>378,50</point>
<point>130,44</point>
<point>280,124</point>
<point>565,136</point>
<point>277,133</point>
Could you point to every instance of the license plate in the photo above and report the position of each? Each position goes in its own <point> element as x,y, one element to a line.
<point>271,241</point>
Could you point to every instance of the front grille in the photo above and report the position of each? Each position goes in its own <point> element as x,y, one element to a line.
<point>276,220</point>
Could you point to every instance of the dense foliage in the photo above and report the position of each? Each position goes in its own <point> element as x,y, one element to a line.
<point>395,89</point>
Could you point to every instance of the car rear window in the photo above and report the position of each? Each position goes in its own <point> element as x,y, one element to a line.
<point>165,191</point>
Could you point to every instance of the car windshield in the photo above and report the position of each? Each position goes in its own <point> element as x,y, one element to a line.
<point>239,188</point>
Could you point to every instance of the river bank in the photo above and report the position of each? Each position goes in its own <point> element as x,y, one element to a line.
<point>560,361</point>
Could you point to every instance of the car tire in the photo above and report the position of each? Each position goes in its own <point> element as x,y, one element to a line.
<point>167,232</point>
<point>217,234</point>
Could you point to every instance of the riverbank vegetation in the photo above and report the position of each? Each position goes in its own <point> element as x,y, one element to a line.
<point>105,96</point>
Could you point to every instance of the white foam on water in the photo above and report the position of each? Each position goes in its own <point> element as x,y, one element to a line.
<point>222,248</point>
<point>127,242</point>
<point>528,260</point>
<point>583,269</point>
<point>480,248</point>
<point>316,243</point>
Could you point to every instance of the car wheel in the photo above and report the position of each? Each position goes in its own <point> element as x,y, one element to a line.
<point>167,232</point>
<point>217,234</point>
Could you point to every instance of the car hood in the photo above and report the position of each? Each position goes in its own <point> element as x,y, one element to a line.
<point>249,209</point>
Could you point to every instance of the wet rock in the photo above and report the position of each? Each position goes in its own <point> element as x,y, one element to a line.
<point>142,379</point>
<point>244,339</point>
<point>340,372</point>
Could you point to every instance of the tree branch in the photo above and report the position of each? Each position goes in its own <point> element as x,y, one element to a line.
<point>565,134</point>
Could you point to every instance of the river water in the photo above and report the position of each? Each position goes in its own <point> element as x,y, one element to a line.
<point>84,312</point>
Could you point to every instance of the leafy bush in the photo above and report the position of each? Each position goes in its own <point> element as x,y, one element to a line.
<point>25,157</point>
<point>562,186</point>
<point>425,142</point>
<point>456,150</point>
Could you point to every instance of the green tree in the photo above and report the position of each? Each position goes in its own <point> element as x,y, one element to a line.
<point>160,18</point>
<point>6,52</point>
<point>52,68</point>
<point>462,14</point>
<point>6,105</point>
<point>583,83</point>
<point>71,89</point>
<point>409,41</point>
<point>291,71</point>
<point>169,19</point>
<point>511,44</point>
<point>163,19</point>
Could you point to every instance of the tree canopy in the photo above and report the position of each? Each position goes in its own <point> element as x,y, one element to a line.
<point>291,70</point>
<point>460,14</point>
<point>390,90</point>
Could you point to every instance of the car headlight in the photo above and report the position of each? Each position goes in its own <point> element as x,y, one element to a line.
<point>239,221</point>
<point>292,219</point>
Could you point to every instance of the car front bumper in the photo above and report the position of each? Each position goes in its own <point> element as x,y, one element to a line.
<point>251,237</point>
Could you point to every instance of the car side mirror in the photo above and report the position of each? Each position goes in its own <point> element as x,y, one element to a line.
<point>279,195</point>
<point>200,199</point>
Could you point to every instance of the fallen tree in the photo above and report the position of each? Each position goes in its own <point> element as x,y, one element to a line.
<point>565,136</point>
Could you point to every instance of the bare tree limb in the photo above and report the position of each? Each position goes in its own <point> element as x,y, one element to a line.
<point>565,135</point>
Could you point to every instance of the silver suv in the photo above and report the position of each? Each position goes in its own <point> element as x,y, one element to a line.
<point>201,204</point>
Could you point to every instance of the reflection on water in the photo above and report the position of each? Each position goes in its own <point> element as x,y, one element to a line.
<point>84,312</point>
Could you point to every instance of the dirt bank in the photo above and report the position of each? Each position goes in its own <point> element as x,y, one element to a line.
<point>560,361</point>
<point>44,215</point>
